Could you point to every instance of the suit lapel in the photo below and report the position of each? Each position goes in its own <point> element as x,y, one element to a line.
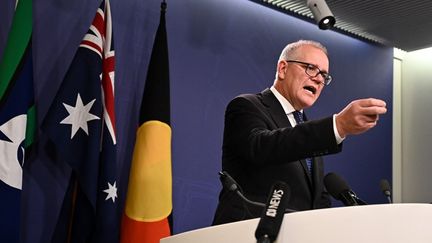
<point>280,118</point>
<point>275,108</point>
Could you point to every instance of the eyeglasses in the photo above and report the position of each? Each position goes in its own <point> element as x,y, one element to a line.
<point>313,71</point>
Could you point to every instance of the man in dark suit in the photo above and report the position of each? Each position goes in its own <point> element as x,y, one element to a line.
<point>265,142</point>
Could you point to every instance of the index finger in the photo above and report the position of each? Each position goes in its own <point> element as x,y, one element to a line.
<point>372,102</point>
<point>373,110</point>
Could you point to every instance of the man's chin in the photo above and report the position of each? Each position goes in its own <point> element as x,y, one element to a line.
<point>308,103</point>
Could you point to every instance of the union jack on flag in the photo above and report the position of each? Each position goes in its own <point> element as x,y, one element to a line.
<point>81,125</point>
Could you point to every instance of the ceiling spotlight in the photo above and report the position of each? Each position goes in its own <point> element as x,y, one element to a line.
<point>322,14</point>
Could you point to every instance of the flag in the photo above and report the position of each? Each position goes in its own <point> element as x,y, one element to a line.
<point>80,123</point>
<point>17,117</point>
<point>149,197</point>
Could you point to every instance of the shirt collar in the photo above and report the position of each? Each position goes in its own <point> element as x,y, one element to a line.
<point>287,107</point>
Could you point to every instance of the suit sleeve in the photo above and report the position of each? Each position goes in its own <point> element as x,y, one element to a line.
<point>249,129</point>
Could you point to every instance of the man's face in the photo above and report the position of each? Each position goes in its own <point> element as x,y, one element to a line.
<point>294,84</point>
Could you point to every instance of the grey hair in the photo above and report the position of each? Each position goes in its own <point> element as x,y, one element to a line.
<point>289,52</point>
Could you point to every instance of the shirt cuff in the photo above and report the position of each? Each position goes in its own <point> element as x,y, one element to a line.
<point>339,139</point>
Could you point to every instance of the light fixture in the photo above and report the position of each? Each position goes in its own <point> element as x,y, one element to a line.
<point>322,14</point>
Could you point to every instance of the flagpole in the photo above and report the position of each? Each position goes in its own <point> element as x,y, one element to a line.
<point>72,211</point>
<point>163,6</point>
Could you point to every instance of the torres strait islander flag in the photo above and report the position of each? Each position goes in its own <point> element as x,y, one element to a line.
<point>17,118</point>
<point>81,125</point>
<point>148,206</point>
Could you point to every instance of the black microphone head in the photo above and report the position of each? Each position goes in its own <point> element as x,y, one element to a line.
<point>335,185</point>
<point>272,216</point>
<point>227,181</point>
<point>340,190</point>
<point>385,187</point>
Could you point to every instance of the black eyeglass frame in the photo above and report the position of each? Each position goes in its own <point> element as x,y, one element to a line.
<point>309,66</point>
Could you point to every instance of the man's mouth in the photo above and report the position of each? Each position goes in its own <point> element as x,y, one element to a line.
<point>310,89</point>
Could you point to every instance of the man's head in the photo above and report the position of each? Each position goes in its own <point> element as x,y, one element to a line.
<point>302,73</point>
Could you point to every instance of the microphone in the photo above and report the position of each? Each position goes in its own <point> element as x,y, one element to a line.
<point>231,185</point>
<point>272,216</point>
<point>385,188</point>
<point>340,190</point>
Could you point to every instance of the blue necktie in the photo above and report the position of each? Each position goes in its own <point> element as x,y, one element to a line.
<point>298,116</point>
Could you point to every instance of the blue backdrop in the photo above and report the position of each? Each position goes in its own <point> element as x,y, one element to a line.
<point>217,49</point>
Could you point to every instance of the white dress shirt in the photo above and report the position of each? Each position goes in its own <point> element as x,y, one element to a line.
<point>289,109</point>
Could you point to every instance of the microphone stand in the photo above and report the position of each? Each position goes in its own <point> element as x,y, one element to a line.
<point>229,183</point>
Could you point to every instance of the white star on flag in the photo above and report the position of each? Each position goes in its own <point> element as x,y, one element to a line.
<point>111,191</point>
<point>79,116</point>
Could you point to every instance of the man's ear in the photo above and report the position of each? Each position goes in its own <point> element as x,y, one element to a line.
<point>281,69</point>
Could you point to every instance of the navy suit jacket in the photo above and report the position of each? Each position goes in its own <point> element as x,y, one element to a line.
<point>261,147</point>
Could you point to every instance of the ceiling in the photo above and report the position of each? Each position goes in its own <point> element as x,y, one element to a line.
<point>406,24</point>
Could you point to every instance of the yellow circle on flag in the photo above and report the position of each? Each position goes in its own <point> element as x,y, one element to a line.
<point>149,196</point>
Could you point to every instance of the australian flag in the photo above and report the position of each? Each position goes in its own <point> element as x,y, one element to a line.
<point>81,125</point>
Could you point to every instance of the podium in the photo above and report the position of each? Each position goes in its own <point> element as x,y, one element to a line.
<point>392,223</point>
